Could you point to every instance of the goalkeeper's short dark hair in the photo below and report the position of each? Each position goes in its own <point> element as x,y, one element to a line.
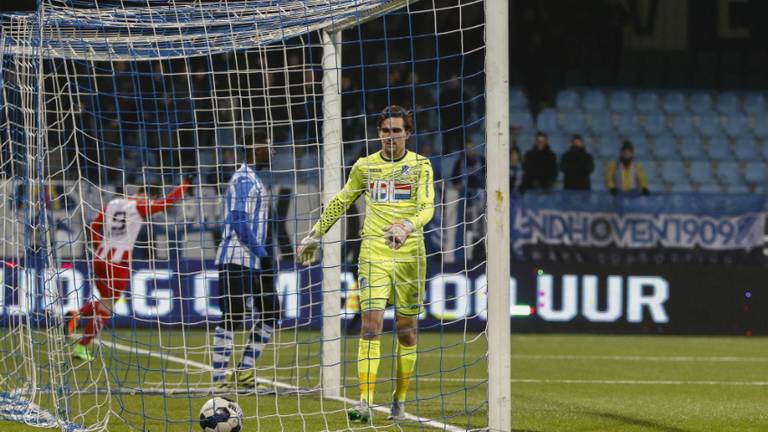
<point>396,111</point>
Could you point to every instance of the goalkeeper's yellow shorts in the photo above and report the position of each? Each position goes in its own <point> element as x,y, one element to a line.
<point>390,282</point>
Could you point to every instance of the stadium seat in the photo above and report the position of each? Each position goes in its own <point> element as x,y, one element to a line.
<point>651,170</point>
<point>702,172</point>
<point>681,186</point>
<point>598,176</point>
<point>608,147</point>
<point>627,124</point>
<point>710,126</point>
<point>746,149</point>
<point>647,103</point>
<point>674,103</point>
<point>701,104</point>
<point>754,173</point>
<point>524,140</point>
<point>710,188</point>
<point>729,173</point>
<point>601,123</point>
<point>657,185</point>
<point>568,100</point>
<point>754,104</point>
<point>691,148</point>
<point>760,126</point>
<point>547,121</point>
<point>518,101</point>
<point>682,125</point>
<point>737,188</point>
<point>673,172</point>
<point>573,122</point>
<point>521,119</point>
<point>665,147</point>
<point>656,124</point>
<point>736,126</point>
<point>718,149</point>
<point>558,143</point>
<point>620,101</point>
<point>728,104</point>
<point>594,101</point>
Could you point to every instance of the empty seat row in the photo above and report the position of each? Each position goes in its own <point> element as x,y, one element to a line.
<point>661,147</point>
<point>712,177</point>
<point>552,121</point>
<point>667,102</point>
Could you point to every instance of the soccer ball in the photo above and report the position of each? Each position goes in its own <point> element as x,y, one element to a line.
<point>221,415</point>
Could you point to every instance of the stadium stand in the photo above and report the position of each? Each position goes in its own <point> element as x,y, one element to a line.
<point>699,140</point>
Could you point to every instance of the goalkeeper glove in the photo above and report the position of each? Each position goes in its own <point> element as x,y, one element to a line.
<point>396,234</point>
<point>307,251</point>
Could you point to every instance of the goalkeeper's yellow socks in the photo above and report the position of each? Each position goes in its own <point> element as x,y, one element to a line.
<point>368,356</point>
<point>406,361</point>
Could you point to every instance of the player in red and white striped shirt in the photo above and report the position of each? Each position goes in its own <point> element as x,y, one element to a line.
<point>113,236</point>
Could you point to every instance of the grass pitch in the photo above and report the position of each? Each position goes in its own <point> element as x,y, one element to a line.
<point>560,383</point>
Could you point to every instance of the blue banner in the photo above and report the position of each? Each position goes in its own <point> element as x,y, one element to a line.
<point>681,221</point>
<point>590,298</point>
<point>186,293</point>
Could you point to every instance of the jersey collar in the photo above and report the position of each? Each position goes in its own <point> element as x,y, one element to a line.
<point>381,153</point>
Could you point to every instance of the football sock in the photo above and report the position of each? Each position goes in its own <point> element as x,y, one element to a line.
<point>257,340</point>
<point>406,361</point>
<point>368,353</point>
<point>223,340</point>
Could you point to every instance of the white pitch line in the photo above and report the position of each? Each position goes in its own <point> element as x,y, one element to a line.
<point>721,359</point>
<point>421,420</point>
<point>638,382</point>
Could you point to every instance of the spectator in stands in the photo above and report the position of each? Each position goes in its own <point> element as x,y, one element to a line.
<point>577,165</point>
<point>625,174</point>
<point>539,166</point>
<point>515,170</point>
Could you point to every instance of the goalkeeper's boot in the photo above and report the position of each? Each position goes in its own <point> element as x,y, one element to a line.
<point>397,412</point>
<point>361,412</point>
<point>81,352</point>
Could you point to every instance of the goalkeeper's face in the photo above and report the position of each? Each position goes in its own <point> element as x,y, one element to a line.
<point>393,137</point>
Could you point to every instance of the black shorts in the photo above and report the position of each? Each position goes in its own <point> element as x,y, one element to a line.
<point>242,289</point>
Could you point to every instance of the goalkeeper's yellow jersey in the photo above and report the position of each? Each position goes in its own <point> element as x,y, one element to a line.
<point>394,190</point>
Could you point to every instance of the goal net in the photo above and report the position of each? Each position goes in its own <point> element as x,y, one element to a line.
<point>124,100</point>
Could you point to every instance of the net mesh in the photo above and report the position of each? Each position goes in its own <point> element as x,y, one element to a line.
<point>109,99</point>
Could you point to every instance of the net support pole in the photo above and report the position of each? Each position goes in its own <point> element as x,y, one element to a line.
<point>332,183</point>
<point>498,207</point>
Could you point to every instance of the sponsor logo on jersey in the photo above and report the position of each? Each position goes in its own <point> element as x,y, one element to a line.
<point>389,191</point>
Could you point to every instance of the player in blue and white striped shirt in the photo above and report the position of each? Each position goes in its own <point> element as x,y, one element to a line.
<point>245,266</point>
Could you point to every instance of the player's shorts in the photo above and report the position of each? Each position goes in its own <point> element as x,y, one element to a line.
<point>111,278</point>
<point>400,284</point>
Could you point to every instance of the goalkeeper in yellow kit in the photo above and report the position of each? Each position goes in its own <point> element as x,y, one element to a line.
<point>399,201</point>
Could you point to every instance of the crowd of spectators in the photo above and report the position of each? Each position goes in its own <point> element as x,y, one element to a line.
<point>539,169</point>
